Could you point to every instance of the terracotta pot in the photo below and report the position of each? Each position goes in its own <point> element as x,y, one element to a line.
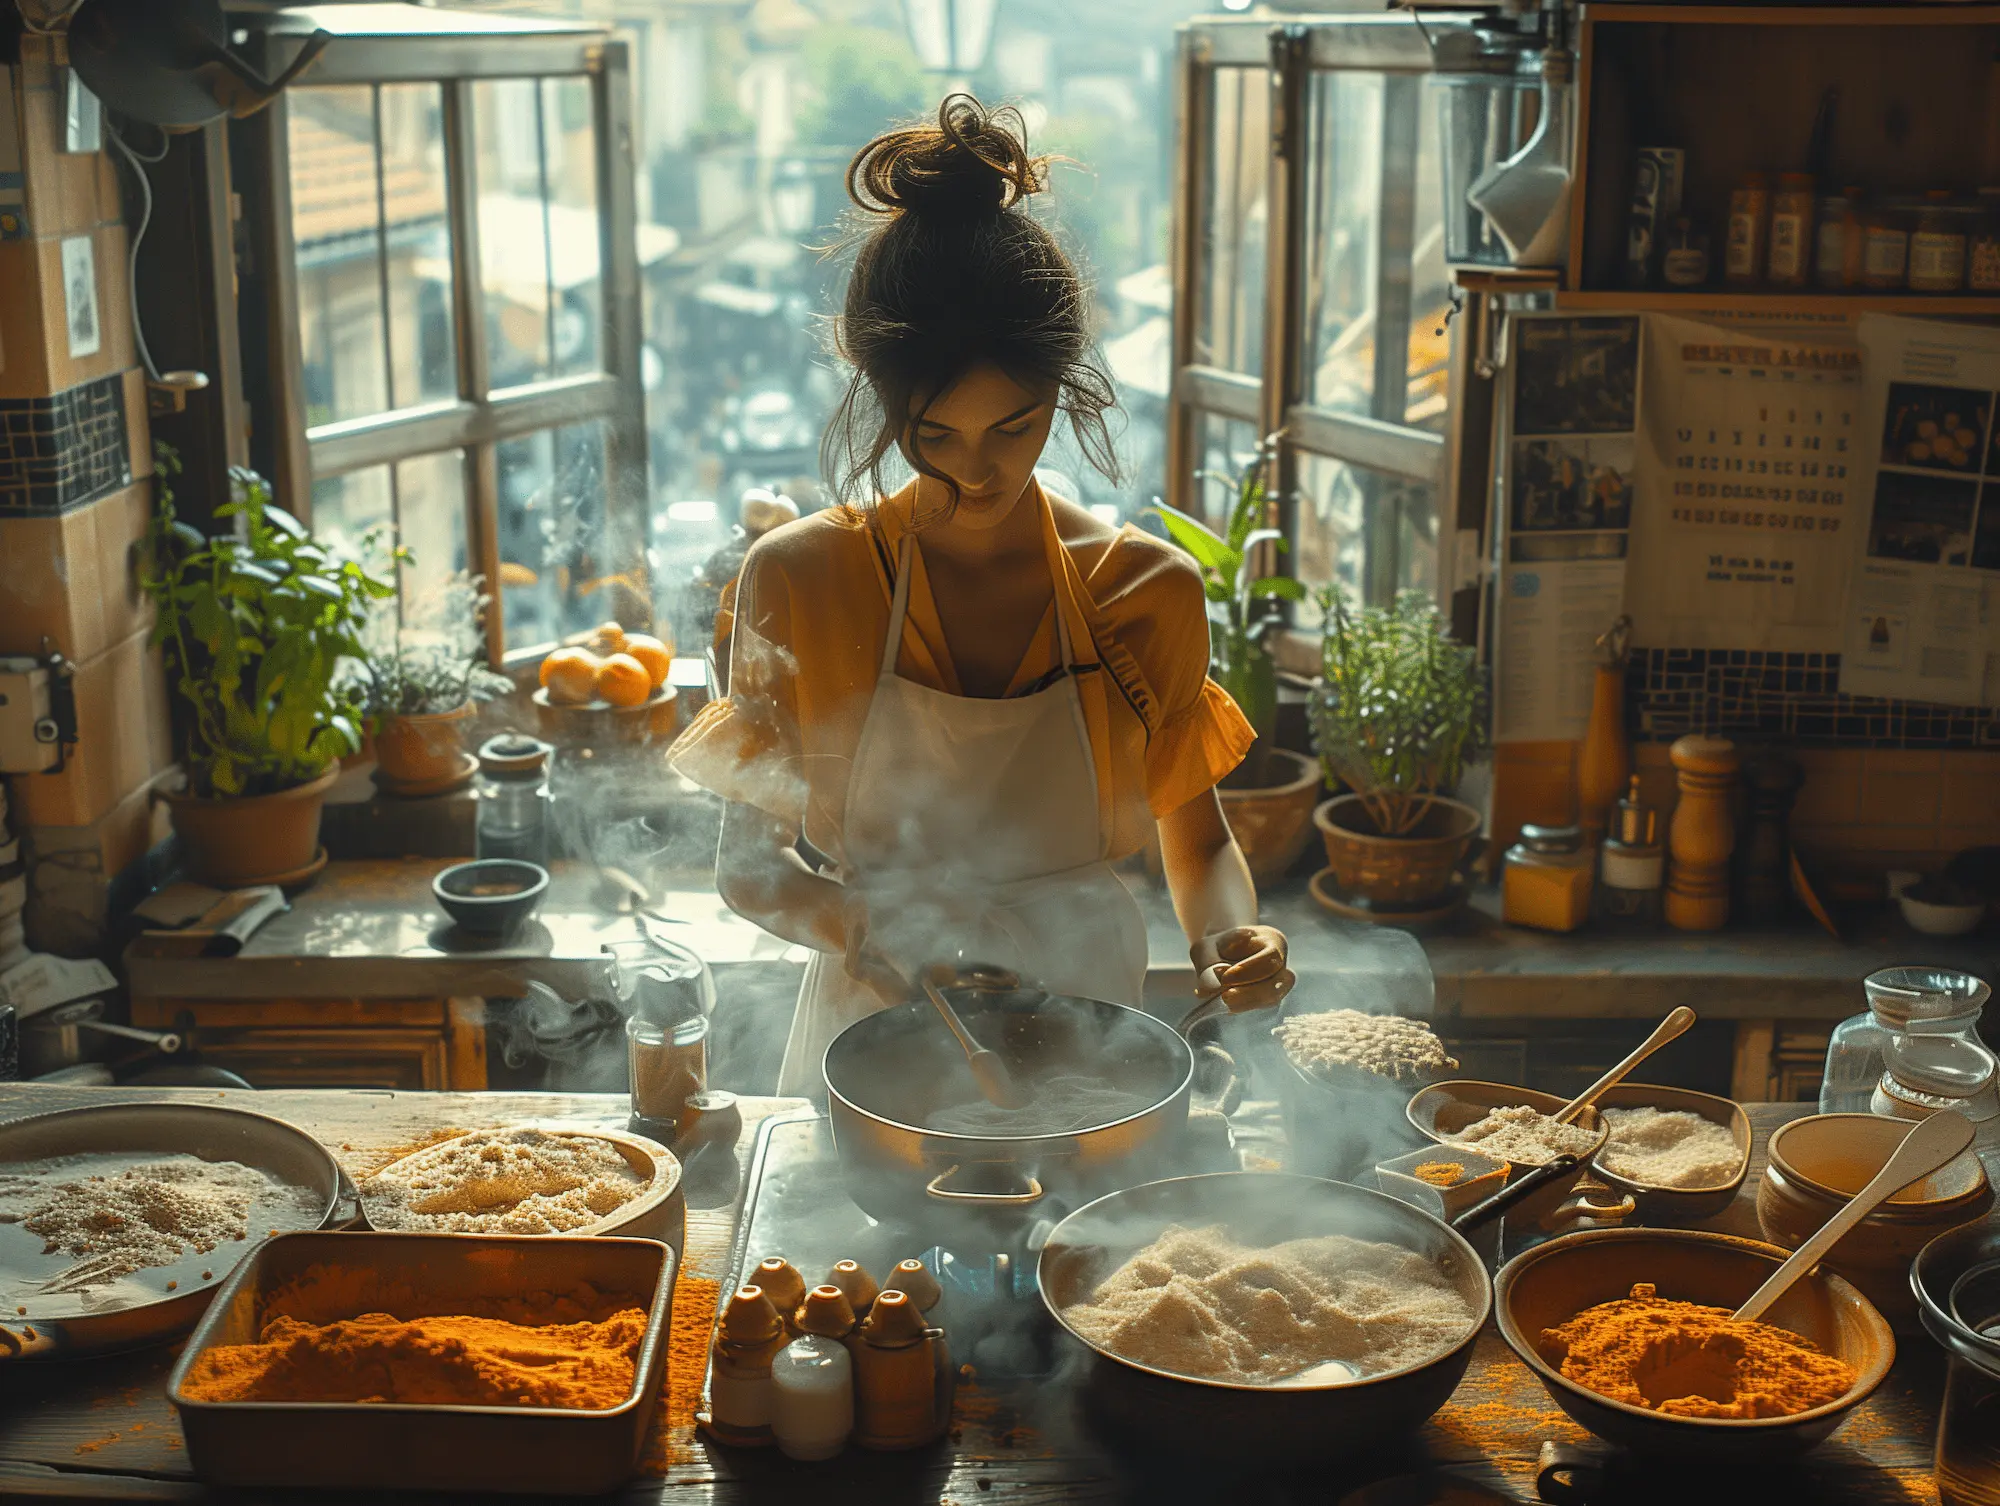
<point>254,839</point>
<point>422,749</point>
<point>1406,870</point>
<point>1273,822</point>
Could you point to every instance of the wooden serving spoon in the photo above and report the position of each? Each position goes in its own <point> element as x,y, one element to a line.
<point>1930,1144</point>
<point>1673,1027</point>
<point>996,1085</point>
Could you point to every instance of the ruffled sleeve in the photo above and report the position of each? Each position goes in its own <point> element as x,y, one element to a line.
<point>1202,733</point>
<point>745,746</point>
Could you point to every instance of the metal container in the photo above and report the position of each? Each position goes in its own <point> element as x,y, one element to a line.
<point>1270,1425</point>
<point>384,1446</point>
<point>214,1134</point>
<point>888,1073</point>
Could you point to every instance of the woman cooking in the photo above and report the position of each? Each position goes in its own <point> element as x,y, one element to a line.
<point>970,695</point>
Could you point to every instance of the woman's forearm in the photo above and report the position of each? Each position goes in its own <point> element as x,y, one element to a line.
<point>1205,871</point>
<point>759,875</point>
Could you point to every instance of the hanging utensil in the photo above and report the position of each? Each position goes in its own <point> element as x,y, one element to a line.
<point>1673,1027</point>
<point>996,1084</point>
<point>1526,198</point>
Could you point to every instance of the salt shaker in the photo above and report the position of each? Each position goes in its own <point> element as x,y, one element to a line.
<point>784,1286</point>
<point>826,1313</point>
<point>915,1278</point>
<point>855,1284</point>
<point>739,1379</point>
<point>903,1379</point>
<point>812,1398</point>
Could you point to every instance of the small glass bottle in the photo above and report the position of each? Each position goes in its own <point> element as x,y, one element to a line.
<point>1632,866</point>
<point>666,1041</point>
<point>1749,228</point>
<point>1982,258</point>
<point>1835,228</point>
<point>1791,230</point>
<point>812,1398</point>
<point>1938,245</point>
<point>739,1375</point>
<point>513,789</point>
<point>1885,246</point>
<point>1936,999</point>
<point>1546,883</point>
<point>1684,262</point>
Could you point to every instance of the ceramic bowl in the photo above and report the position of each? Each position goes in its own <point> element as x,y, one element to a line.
<point>491,896</point>
<point>1679,1205</point>
<point>1442,1110</point>
<point>1481,1177</point>
<point>1818,1163</point>
<point>1933,918</point>
<point>1553,1282</point>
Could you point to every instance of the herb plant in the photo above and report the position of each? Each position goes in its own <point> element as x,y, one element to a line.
<point>1241,606</point>
<point>430,657</point>
<point>1400,708</point>
<point>254,624</point>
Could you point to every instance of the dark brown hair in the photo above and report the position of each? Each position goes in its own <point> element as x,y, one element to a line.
<point>951,271</point>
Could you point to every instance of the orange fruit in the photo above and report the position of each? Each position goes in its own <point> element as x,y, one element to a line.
<point>652,653</point>
<point>609,639</point>
<point>570,675</point>
<point>622,680</point>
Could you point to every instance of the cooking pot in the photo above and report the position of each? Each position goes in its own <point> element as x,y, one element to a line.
<point>887,1074</point>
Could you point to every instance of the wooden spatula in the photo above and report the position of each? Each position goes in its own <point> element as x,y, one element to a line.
<point>1671,1028</point>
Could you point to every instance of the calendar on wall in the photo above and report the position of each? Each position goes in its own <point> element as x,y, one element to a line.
<point>1749,456</point>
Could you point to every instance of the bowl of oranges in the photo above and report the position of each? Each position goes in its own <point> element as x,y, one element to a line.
<point>612,687</point>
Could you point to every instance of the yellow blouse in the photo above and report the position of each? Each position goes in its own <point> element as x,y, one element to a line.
<point>811,609</point>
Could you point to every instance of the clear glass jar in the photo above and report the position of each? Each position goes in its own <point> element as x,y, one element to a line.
<point>1791,256</point>
<point>1938,245</point>
<point>1982,258</point>
<point>1749,228</point>
<point>1912,1002</point>
<point>1885,245</point>
<point>513,788</point>
<point>1837,240</point>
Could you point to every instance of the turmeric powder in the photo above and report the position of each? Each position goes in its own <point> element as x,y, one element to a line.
<point>1686,1360</point>
<point>437,1361</point>
<point>1439,1173</point>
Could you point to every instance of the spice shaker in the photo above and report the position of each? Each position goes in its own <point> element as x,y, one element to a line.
<point>903,1380</point>
<point>739,1378</point>
<point>812,1398</point>
<point>1791,230</point>
<point>786,1288</point>
<point>667,1035</point>
<point>914,1278</point>
<point>1749,228</point>
<point>855,1284</point>
<point>1632,865</point>
<point>827,1313</point>
<point>1546,882</point>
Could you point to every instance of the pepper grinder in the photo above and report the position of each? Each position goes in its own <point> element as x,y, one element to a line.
<point>1604,762</point>
<point>1763,876</point>
<point>1702,834</point>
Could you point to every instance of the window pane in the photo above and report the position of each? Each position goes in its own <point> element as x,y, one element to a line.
<point>417,245</point>
<point>430,503</point>
<point>1229,287</point>
<point>1430,287</point>
<point>1225,446</point>
<point>513,228</point>
<point>570,145</point>
<point>1370,534</point>
<point>344,508</point>
<point>337,227</point>
<point>552,564</point>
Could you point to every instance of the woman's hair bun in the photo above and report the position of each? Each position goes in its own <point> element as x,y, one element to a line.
<point>973,162</point>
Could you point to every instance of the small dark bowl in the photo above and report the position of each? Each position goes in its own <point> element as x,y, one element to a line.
<point>491,896</point>
<point>1551,1283</point>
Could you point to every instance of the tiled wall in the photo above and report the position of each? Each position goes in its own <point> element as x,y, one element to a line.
<point>75,493</point>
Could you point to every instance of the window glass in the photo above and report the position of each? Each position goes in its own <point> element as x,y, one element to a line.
<point>1225,446</point>
<point>1229,283</point>
<point>430,504</point>
<point>416,244</point>
<point>336,228</point>
<point>345,508</point>
<point>569,143</point>
<point>554,577</point>
<point>514,228</point>
<point>1368,533</point>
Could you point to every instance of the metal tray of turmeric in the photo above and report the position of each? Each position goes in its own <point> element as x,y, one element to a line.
<point>327,1279</point>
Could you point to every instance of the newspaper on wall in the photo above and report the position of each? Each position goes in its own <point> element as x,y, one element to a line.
<point>1567,495</point>
<point>1922,611</point>
<point>1747,458</point>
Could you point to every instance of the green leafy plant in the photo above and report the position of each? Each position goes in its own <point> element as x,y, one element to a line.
<point>1400,709</point>
<point>1242,606</point>
<point>430,656</point>
<point>254,624</point>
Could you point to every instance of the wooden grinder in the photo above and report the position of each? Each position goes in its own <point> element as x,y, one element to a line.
<point>1702,835</point>
<point>1604,762</point>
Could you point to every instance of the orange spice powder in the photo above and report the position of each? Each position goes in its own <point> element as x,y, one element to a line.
<point>1440,1173</point>
<point>672,1439</point>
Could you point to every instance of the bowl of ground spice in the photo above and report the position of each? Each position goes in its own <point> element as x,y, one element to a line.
<point>1515,1125</point>
<point>1629,1331</point>
<point>1681,1155</point>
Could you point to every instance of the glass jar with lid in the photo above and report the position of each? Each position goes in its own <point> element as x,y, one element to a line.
<point>1546,882</point>
<point>1932,1002</point>
<point>1885,244</point>
<point>1982,257</point>
<point>1938,242</point>
<point>513,788</point>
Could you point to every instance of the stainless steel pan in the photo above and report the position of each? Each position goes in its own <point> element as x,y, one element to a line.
<point>50,1328</point>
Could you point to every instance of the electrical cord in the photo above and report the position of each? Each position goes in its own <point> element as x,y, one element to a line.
<point>138,163</point>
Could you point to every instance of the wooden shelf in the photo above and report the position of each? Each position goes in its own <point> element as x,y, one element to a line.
<point>1797,15</point>
<point>1777,305</point>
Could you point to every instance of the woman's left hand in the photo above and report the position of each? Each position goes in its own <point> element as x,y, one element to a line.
<point>1245,965</point>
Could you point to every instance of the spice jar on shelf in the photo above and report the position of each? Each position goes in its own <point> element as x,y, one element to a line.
<point>1982,257</point>
<point>1885,245</point>
<point>1546,882</point>
<point>1749,227</point>
<point>1791,231</point>
<point>1684,261</point>
<point>1837,239</point>
<point>1938,245</point>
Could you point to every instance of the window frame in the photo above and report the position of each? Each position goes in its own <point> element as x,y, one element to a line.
<point>1398,47</point>
<point>457,50</point>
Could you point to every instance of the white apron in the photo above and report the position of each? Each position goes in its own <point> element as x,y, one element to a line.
<point>972,826</point>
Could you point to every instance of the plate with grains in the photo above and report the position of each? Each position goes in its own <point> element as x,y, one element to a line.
<point>119,1222</point>
<point>1680,1154</point>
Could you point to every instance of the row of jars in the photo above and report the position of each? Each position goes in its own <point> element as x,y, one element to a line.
<point>1789,235</point>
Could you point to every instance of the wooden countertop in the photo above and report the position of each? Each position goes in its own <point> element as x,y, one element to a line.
<point>372,930</point>
<point>103,1431</point>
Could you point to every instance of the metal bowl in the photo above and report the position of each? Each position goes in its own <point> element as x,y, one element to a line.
<point>1677,1205</point>
<point>1443,1109</point>
<point>1937,1272</point>
<point>888,1073</point>
<point>1274,1425</point>
<point>1551,1283</point>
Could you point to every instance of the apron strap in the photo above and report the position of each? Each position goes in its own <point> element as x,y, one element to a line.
<point>899,609</point>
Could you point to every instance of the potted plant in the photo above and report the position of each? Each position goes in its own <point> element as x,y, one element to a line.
<point>1268,799</point>
<point>420,682</point>
<point>1399,712</point>
<point>254,624</point>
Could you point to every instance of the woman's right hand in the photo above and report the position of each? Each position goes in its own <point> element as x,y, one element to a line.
<point>865,962</point>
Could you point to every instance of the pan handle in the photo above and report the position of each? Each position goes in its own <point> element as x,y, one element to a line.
<point>1515,1190</point>
<point>936,1188</point>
